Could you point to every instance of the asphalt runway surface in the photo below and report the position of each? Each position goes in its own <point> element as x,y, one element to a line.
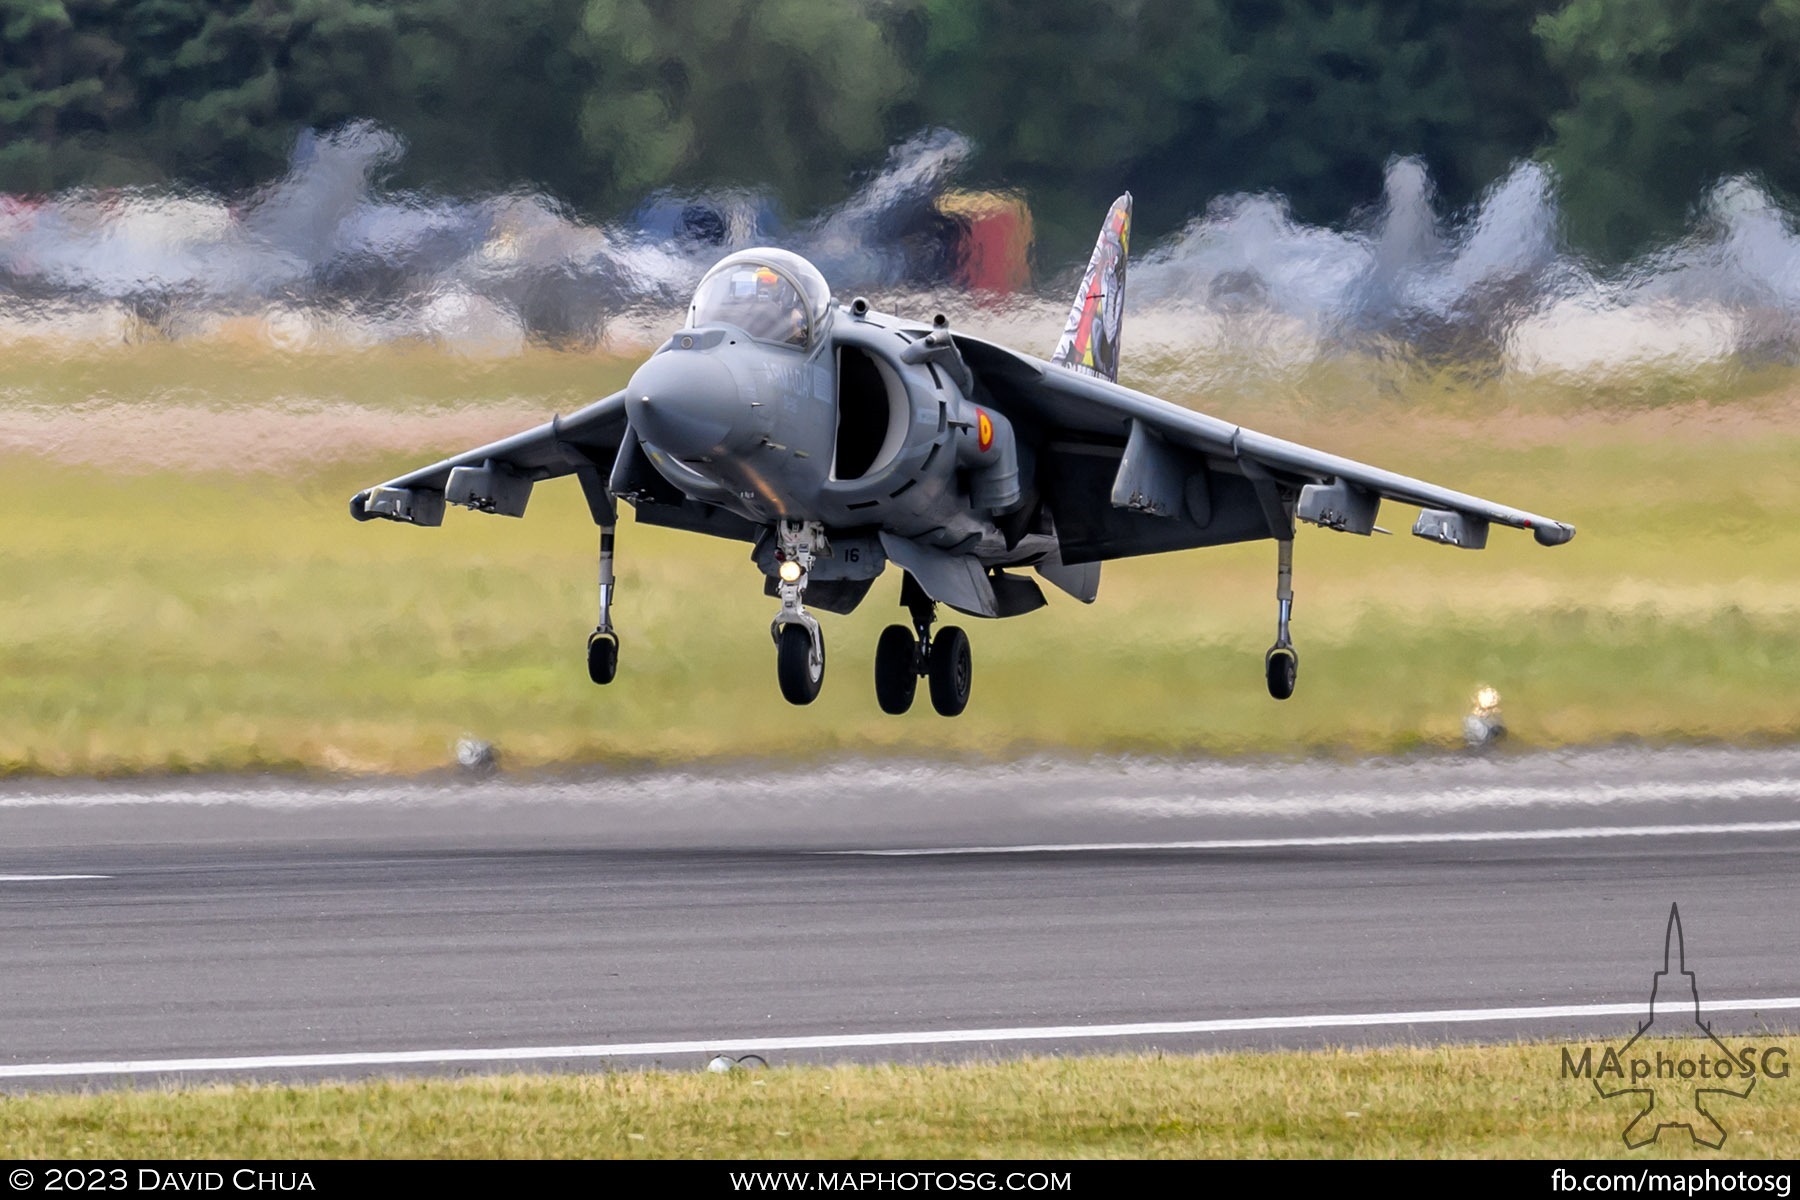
<point>264,928</point>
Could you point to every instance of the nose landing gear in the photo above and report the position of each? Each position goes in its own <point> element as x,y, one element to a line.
<point>799,643</point>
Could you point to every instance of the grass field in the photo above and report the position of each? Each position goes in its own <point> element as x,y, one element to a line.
<point>1453,1101</point>
<point>183,589</point>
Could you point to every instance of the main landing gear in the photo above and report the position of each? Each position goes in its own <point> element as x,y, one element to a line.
<point>603,643</point>
<point>799,643</point>
<point>903,655</point>
<point>1281,665</point>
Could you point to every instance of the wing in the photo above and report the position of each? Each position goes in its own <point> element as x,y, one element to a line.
<point>1125,473</point>
<point>498,477</point>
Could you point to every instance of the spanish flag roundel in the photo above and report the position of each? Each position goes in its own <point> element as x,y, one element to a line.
<point>984,429</point>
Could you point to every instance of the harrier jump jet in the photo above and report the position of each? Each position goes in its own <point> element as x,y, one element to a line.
<point>837,441</point>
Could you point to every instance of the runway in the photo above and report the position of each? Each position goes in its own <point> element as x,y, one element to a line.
<point>268,929</point>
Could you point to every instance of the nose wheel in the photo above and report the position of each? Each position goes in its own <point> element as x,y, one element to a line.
<point>799,643</point>
<point>799,663</point>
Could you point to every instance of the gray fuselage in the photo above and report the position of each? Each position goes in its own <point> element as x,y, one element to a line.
<point>848,433</point>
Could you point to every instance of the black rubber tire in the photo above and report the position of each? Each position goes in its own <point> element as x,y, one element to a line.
<point>951,671</point>
<point>896,669</point>
<point>793,665</point>
<point>603,657</point>
<point>1281,667</point>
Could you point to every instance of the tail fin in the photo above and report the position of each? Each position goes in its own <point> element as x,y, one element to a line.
<point>1090,340</point>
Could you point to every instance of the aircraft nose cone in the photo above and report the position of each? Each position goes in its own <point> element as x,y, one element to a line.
<point>685,403</point>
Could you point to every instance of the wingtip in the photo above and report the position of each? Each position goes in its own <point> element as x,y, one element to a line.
<point>359,509</point>
<point>1555,534</point>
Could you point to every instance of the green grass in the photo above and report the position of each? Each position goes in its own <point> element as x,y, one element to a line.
<point>234,375</point>
<point>162,619</point>
<point>1450,1101</point>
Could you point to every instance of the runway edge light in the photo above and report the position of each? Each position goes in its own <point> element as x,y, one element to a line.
<point>1484,725</point>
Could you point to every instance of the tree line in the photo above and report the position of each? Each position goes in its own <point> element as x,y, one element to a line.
<point>1637,104</point>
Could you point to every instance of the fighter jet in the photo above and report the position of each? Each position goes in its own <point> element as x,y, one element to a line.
<point>837,440</point>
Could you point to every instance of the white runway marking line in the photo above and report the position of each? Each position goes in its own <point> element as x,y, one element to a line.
<point>847,1041</point>
<point>1575,833</point>
<point>46,878</point>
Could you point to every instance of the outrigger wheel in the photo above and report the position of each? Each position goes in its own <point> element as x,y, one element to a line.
<point>603,655</point>
<point>799,670</point>
<point>1282,667</point>
<point>603,643</point>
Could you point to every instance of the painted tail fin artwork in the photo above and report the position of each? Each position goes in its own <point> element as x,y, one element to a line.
<point>1090,340</point>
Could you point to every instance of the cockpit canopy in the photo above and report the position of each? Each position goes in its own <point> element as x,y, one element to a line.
<point>772,295</point>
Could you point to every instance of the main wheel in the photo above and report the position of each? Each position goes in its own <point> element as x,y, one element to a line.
<point>603,656</point>
<point>800,673</point>
<point>896,670</point>
<point>1281,666</point>
<point>951,671</point>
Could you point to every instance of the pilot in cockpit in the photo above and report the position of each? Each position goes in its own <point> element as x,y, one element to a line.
<point>757,299</point>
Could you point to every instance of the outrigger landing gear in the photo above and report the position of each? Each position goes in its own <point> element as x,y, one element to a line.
<point>903,655</point>
<point>1281,665</point>
<point>799,643</point>
<point>603,643</point>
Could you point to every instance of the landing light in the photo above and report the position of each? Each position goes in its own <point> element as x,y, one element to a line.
<point>1484,725</point>
<point>790,571</point>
